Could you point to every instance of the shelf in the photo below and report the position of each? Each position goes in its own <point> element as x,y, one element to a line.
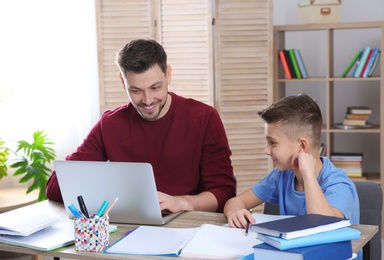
<point>328,87</point>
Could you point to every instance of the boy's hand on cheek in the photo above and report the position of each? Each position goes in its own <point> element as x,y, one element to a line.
<point>305,163</point>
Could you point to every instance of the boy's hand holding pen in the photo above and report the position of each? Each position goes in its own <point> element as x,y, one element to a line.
<point>248,224</point>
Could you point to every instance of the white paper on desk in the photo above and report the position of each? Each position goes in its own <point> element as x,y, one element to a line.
<point>213,241</point>
<point>153,240</point>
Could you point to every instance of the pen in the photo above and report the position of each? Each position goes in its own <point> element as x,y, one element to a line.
<point>74,211</point>
<point>83,208</point>
<point>248,224</point>
<point>110,207</point>
<point>101,210</point>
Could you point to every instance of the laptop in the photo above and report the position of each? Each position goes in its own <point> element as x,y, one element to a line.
<point>132,183</point>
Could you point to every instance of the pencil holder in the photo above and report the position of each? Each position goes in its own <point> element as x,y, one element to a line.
<point>92,234</point>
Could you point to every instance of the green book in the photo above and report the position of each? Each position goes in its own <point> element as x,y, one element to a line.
<point>294,62</point>
<point>348,68</point>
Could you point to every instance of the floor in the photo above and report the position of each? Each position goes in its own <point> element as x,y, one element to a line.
<point>6,256</point>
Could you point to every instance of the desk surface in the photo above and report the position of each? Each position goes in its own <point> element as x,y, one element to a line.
<point>186,219</point>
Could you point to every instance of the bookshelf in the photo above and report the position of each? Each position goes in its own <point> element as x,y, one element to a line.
<point>331,87</point>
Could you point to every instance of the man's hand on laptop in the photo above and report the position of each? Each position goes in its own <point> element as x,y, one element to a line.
<point>204,201</point>
<point>173,203</point>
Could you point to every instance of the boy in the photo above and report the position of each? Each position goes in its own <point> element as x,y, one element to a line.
<point>302,182</point>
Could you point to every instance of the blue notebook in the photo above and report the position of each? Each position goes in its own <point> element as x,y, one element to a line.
<point>330,251</point>
<point>337,235</point>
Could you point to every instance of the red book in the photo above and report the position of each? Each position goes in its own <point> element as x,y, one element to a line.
<point>285,65</point>
<point>366,63</point>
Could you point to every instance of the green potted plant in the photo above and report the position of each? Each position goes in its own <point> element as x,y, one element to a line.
<point>32,164</point>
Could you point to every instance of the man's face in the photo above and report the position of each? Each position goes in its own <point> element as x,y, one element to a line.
<point>148,91</point>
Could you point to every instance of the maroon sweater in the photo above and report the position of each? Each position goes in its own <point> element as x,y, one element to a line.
<point>188,148</point>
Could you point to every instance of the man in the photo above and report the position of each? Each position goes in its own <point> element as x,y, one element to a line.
<point>183,139</point>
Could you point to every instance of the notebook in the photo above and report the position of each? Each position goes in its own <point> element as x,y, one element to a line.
<point>133,183</point>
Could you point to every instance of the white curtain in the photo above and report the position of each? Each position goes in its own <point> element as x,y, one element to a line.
<point>48,72</point>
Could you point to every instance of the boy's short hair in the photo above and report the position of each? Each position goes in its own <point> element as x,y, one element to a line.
<point>298,115</point>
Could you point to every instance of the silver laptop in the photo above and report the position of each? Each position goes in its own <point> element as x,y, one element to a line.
<point>132,183</point>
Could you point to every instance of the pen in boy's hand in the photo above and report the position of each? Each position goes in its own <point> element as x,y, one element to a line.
<point>248,224</point>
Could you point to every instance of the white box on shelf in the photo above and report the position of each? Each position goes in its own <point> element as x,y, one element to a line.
<point>315,11</point>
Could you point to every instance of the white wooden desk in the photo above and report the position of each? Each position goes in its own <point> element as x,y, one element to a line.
<point>186,219</point>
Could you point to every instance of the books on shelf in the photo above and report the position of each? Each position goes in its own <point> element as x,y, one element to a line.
<point>350,65</point>
<point>357,116</point>
<point>323,150</point>
<point>300,226</point>
<point>363,59</point>
<point>363,63</point>
<point>352,163</point>
<point>285,64</point>
<point>361,110</point>
<point>293,64</point>
<point>329,251</point>
<point>301,64</point>
<point>337,235</point>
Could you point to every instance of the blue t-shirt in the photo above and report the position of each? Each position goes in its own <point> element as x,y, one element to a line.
<point>278,187</point>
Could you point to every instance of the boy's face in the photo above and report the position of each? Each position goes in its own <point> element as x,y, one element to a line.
<point>279,147</point>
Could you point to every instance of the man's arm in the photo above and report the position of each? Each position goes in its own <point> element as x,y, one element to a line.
<point>204,201</point>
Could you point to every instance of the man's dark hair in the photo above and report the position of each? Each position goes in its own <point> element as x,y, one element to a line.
<point>298,114</point>
<point>140,55</point>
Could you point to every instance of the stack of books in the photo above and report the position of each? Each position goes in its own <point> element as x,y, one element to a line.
<point>352,163</point>
<point>311,236</point>
<point>364,63</point>
<point>293,64</point>
<point>323,150</point>
<point>357,116</point>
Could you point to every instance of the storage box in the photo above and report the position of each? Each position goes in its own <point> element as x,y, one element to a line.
<point>315,11</point>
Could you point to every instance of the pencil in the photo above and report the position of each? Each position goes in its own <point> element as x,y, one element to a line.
<point>110,207</point>
<point>248,223</point>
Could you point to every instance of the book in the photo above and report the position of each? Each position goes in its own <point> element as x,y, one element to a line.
<point>52,237</point>
<point>337,235</point>
<point>300,226</point>
<point>366,63</point>
<point>370,73</point>
<point>301,64</point>
<point>329,251</point>
<point>357,116</point>
<point>347,121</point>
<point>350,65</point>
<point>206,241</point>
<point>346,156</point>
<point>363,59</point>
<point>357,63</point>
<point>365,110</point>
<point>47,239</point>
<point>294,62</point>
<point>285,64</point>
<point>14,222</point>
<point>370,62</point>
<point>290,64</point>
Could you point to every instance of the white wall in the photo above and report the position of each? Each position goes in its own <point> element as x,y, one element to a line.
<point>48,78</point>
<point>347,43</point>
